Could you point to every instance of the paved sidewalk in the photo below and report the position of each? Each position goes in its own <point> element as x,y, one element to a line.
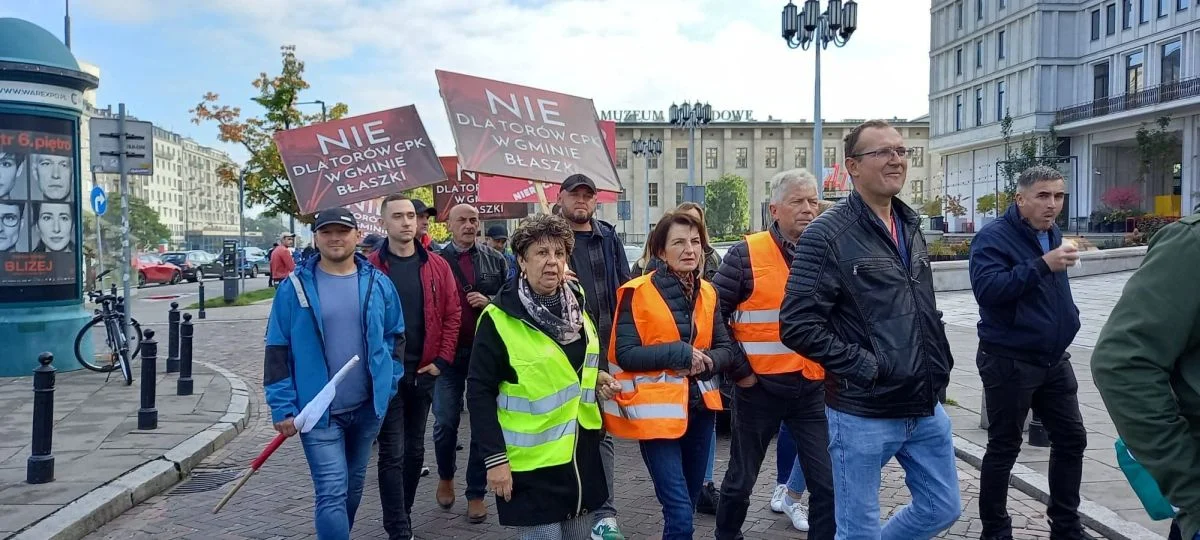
<point>277,502</point>
<point>96,442</point>
<point>1103,482</point>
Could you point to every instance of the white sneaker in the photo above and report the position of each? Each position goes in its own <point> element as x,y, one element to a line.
<point>777,502</point>
<point>799,516</point>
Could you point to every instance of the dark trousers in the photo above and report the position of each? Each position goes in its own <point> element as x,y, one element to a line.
<point>756,418</point>
<point>676,467</point>
<point>402,450</point>
<point>1011,387</point>
<point>447,412</point>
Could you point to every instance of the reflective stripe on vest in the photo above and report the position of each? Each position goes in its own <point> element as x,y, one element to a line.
<point>755,323</point>
<point>541,413</point>
<point>653,404</point>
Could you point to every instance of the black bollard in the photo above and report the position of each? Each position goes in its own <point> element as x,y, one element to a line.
<point>173,338</point>
<point>40,467</point>
<point>1037,433</point>
<point>201,281</point>
<point>184,385</point>
<point>147,414</point>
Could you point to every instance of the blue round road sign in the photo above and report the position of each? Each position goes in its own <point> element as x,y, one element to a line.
<point>99,200</point>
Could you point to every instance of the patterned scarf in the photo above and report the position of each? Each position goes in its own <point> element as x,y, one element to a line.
<point>564,329</point>
<point>688,281</point>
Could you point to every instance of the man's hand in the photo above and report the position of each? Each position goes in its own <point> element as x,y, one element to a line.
<point>287,427</point>
<point>499,479</point>
<point>607,386</point>
<point>747,382</point>
<point>1065,256</point>
<point>700,362</point>
<point>477,299</point>
<point>431,369</point>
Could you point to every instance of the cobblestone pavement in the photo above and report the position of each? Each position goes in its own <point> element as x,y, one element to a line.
<point>277,503</point>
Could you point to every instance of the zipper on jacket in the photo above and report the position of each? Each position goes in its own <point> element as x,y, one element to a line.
<point>365,322</point>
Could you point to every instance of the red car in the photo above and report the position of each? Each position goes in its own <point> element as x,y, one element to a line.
<point>151,269</point>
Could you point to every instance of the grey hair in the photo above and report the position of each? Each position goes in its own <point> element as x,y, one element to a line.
<point>1038,173</point>
<point>784,181</point>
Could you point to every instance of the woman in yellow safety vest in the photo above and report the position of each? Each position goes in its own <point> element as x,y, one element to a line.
<point>669,341</point>
<point>532,390</point>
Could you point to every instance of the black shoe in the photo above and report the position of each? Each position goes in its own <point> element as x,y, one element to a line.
<point>708,500</point>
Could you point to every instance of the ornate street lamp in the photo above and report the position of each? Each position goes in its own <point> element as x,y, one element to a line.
<point>690,116</point>
<point>648,148</point>
<point>804,28</point>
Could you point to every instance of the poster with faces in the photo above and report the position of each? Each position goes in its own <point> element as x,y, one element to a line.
<point>39,220</point>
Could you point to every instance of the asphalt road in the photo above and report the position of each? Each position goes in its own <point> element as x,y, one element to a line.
<point>151,302</point>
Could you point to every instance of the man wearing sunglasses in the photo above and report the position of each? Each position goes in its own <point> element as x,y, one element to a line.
<point>860,302</point>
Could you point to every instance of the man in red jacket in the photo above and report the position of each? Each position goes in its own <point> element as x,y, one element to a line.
<point>431,314</point>
<point>282,263</point>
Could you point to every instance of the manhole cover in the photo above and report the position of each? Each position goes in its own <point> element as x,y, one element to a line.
<point>202,481</point>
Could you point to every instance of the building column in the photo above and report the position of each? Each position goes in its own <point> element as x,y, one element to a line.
<point>1188,163</point>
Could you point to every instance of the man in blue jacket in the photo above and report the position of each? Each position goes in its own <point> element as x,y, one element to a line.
<point>1027,320</point>
<point>333,307</point>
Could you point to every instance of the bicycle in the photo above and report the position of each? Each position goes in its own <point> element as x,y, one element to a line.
<point>117,352</point>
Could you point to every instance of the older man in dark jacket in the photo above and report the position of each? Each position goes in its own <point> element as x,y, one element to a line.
<point>860,302</point>
<point>1027,320</point>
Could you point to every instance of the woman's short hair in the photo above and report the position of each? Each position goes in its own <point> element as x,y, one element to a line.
<point>538,227</point>
<point>658,237</point>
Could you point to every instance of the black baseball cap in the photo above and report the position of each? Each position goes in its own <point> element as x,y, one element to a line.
<point>329,216</point>
<point>420,207</point>
<point>576,180</point>
<point>497,231</point>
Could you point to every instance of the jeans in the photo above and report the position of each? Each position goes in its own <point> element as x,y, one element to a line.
<point>1011,387</point>
<point>447,411</point>
<point>337,457</point>
<point>787,466</point>
<point>402,451</point>
<point>1177,534</point>
<point>757,414</point>
<point>607,456</point>
<point>860,446</point>
<point>712,455</point>
<point>676,467</point>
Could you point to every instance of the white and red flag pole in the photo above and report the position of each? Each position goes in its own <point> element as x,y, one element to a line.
<point>304,423</point>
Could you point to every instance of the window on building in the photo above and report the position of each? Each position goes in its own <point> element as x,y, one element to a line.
<point>979,10</point>
<point>710,158</point>
<point>979,54</point>
<point>1110,21</point>
<point>679,191</point>
<point>767,190</point>
<point>1143,11</point>
<point>1100,82</point>
<point>958,15</point>
<point>742,157</point>
<point>772,161</point>
<point>681,158</point>
<point>652,193</point>
<point>1001,106</point>
<point>1135,70</point>
<point>1164,7</point>
<point>958,61</point>
<point>830,156</point>
<point>1171,53</point>
<point>1001,44</point>
<point>1181,4</point>
<point>916,156</point>
<point>978,107</point>
<point>958,112</point>
<point>1095,24</point>
<point>622,158</point>
<point>800,157</point>
<point>1127,14</point>
<point>652,162</point>
<point>1001,4</point>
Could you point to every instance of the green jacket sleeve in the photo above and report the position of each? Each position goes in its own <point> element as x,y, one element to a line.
<point>1149,330</point>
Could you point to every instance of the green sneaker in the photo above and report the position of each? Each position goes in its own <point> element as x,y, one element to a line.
<point>606,529</point>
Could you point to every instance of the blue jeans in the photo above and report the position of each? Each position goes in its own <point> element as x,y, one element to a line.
<point>337,459</point>
<point>787,465</point>
<point>712,455</point>
<point>447,411</point>
<point>860,446</point>
<point>676,467</point>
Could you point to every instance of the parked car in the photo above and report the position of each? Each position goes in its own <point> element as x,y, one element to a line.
<point>152,269</point>
<point>253,261</point>
<point>632,254</point>
<point>196,264</point>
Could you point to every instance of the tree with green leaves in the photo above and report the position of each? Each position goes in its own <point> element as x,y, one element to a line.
<point>266,178</point>
<point>145,229</point>
<point>1033,149</point>
<point>1155,148</point>
<point>727,206</point>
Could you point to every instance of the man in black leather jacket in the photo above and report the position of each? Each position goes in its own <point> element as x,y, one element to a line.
<point>479,271</point>
<point>860,302</point>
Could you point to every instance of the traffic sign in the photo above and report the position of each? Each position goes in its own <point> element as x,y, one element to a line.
<point>99,200</point>
<point>139,146</point>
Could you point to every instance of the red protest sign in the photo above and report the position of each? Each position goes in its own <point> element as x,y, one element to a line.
<point>510,130</point>
<point>354,159</point>
<point>464,188</point>
<point>368,216</point>
<point>501,189</point>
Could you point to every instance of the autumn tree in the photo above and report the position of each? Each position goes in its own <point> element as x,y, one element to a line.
<point>266,178</point>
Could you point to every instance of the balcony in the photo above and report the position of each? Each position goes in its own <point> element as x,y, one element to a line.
<point>1163,93</point>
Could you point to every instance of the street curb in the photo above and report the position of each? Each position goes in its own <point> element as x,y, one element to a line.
<point>99,506</point>
<point>1034,484</point>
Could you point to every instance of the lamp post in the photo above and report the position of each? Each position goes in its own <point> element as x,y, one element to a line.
<point>690,117</point>
<point>811,26</point>
<point>324,116</point>
<point>647,148</point>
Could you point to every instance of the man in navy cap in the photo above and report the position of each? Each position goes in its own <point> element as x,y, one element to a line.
<point>497,237</point>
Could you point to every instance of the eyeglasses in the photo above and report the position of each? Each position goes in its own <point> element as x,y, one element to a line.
<point>10,220</point>
<point>885,153</point>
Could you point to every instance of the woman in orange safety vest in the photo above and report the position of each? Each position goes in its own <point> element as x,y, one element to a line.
<point>668,343</point>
